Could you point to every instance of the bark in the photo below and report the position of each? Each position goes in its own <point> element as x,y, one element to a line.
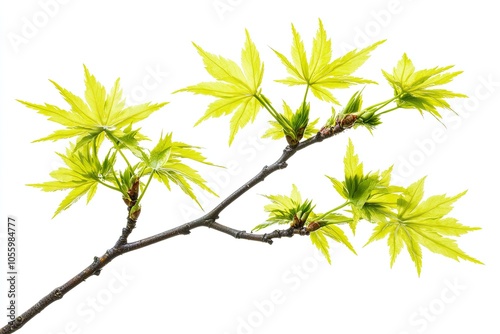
<point>209,220</point>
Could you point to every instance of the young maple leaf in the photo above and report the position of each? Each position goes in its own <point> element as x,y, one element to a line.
<point>235,89</point>
<point>84,172</point>
<point>296,212</point>
<point>293,126</point>
<point>369,195</point>
<point>416,89</point>
<point>319,239</point>
<point>282,209</point>
<point>320,73</point>
<point>423,223</point>
<point>100,113</point>
<point>165,163</point>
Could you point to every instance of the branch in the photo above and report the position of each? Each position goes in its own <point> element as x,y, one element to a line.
<point>266,237</point>
<point>208,220</point>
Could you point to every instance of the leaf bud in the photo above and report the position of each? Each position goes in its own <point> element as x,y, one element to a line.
<point>135,212</point>
<point>313,226</point>
<point>348,121</point>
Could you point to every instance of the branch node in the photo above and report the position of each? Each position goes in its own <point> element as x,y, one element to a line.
<point>185,230</point>
<point>266,239</point>
<point>58,293</point>
<point>209,222</point>
<point>19,320</point>
<point>238,235</point>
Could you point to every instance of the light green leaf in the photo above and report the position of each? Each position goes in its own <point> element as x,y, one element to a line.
<point>416,89</point>
<point>419,223</point>
<point>318,239</point>
<point>369,195</point>
<point>99,113</point>
<point>320,73</point>
<point>235,89</point>
<point>166,162</point>
<point>287,210</point>
<point>82,174</point>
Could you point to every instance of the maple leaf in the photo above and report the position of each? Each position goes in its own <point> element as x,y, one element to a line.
<point>299,213</point>
<point>369,195</point>
<point>416,89</point>
<point>100,113</point>
<point>319,239</point>
<point>293,126</point>
<point>320,73</point>
<point>165,162</point>
<point>283,209</point>
<point>236,87</point>
<point>82,175</point>
<point>422,223</point>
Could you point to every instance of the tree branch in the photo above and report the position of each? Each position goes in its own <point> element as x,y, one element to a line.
<point>266,237</point>
<point>208,220</point>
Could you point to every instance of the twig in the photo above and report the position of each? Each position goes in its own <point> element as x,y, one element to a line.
<point>122,246</point>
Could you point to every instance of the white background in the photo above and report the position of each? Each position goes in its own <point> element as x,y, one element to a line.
<point>208,282</point>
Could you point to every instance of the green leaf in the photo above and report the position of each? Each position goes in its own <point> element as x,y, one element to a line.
<point>293,126</point>
<point>369,195</point>
<point>419,223</point>
<point>166,162</point>
<point>320,73</point>
<point>416,89</point>
<point>82,175</point>
<point>99,113</point>
<point>318,238</point>
<point>287,210</point>
<point>235,89</point>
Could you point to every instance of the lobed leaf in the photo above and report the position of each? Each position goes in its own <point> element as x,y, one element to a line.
<point>235,89</point>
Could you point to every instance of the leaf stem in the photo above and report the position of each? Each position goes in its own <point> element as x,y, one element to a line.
<point>305,95</point>
<point>388,110</point>
<point>333,210</point>
<point>109,186</point>
<point>145,188</point>
<point>267,104</point>
<point>115,144</point>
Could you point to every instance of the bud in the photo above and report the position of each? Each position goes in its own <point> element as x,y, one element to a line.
<point>291,141</point>
<point>127,200</point>
<point>348,121</point>
<point>326,131</point>
<point>135,213</point>
<point>133,192</point>
<point>304,216</point>
<point>367,115</point>
<point>313,226</point>
<point>297,222</point>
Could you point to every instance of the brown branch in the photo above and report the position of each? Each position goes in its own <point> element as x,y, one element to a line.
<point>265,237</point>
<point>122,246</point>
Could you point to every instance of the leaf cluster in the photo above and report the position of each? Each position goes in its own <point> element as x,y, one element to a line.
<point>416,89</point>
<point>399,214</point>
<point>103,117</point>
